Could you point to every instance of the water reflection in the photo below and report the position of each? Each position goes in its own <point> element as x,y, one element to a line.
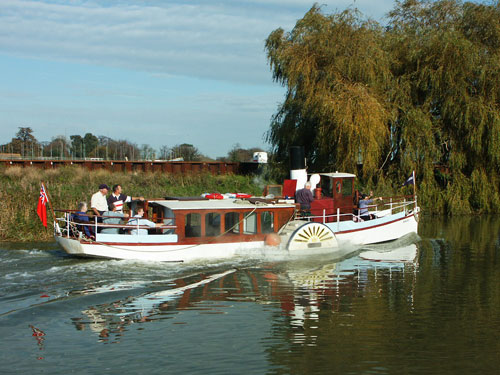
<point>301,290</point>
<point>428,308</point>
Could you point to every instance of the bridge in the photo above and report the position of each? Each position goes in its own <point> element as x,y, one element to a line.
<point>214,167</point>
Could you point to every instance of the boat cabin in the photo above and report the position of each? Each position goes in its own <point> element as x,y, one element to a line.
<point>337,197</point>
<point>226,220</point>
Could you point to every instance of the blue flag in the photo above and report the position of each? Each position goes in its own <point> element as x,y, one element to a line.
<point>410,180</point>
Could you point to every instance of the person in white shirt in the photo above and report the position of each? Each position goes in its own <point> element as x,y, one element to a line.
<point>98,202</point>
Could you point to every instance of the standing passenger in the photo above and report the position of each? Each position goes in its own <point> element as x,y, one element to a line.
<point>119,199</point>
<point>98,202</point>
<point>304,197</point>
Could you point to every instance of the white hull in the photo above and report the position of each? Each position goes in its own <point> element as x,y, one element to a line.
<point>153,252</point>
<point>346,234</point>
<point>380,230</point>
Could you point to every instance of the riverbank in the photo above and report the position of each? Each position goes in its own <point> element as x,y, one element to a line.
<point>20,188</point>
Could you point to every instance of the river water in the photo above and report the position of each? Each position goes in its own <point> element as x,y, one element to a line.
<point>423,305</point>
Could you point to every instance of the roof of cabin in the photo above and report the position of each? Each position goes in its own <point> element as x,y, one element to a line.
<point>338,175</point>
<point>216,204</point>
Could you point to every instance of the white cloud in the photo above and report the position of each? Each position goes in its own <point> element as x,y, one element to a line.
<point>229,97</point>
<point>223,40</point>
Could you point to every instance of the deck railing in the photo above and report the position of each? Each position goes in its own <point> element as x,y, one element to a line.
<point>395,205</point>
<point>71,228</point>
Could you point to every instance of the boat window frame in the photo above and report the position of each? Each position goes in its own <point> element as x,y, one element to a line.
<point>208,225</point>
<point>186,220</point>
<point>236,230</point>
<point>248,217</point>
<point>347,182</point>
<point>263,220</point>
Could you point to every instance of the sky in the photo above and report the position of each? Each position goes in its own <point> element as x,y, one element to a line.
<point>156,72</point>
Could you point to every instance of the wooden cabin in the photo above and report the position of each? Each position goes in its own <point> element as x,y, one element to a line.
<point>202,220</point>
<point>337,197</point>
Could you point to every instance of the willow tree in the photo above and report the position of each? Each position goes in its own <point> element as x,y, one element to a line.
<point>446,59</point>
<point>336,74</point>
<point>421,93</point>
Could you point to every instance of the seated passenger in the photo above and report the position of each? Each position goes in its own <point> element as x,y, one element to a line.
<point>112,216</point>
<point>81,216</point>
<point>364,202</point>
<point>138,220</point>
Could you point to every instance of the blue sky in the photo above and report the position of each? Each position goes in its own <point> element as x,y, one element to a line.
<point>154,72</point>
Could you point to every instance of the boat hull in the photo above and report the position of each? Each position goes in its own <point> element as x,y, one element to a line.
<point>379,230</point>
<point>155,252</point>
<point>345,234</point>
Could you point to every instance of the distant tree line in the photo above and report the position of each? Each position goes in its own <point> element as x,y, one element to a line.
<point>419,93</point>
<point>90,146</point>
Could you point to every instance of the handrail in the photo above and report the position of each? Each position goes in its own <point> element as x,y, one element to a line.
<point>125,226</point>
<point>91,216</point>
<point>393,199</point>
<point>69,222</point>
<point>338,215</point>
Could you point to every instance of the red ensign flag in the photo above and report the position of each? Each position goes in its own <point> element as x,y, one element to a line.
<point>41,208</point>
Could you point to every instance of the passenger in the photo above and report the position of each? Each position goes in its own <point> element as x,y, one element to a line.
<point>364,202</point>
<point>112,217</point>
<point>138,220</point>
<point>120,199</point>
<point>304,197</point>
<point>81,217</point>
<point>98,202</point>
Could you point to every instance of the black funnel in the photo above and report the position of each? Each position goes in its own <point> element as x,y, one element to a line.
<point>297,158</point>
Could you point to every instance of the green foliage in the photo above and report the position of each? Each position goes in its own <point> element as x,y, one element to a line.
<point>420,94</point>
<point>20,189</point>
<point>334,68</point>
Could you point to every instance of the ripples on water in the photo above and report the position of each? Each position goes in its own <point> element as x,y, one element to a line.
<point>430,307</point>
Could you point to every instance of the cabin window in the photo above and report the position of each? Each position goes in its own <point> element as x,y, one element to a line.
<point>267,222</point>
<point>326,187</point>
<point>250,223</point>
<point>212,224</point>
<point>347,187</point>
<point>168,219</point>
<point>193,225</point>
<point>232,222</point>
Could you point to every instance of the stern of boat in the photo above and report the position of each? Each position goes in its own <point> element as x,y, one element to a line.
<point>70,245</point>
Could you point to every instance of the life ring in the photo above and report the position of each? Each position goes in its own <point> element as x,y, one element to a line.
<point>213,196</point>
<point>243,195</point>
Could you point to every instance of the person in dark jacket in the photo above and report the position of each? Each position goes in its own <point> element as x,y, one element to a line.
<point>81,216</point>
<point>304,197</point>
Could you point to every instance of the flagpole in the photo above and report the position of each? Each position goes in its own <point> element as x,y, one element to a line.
<point>50,201</point>
<point>414,184</point>
<point>414,189</point>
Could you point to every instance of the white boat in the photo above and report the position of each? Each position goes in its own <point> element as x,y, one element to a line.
<point>200,228</point>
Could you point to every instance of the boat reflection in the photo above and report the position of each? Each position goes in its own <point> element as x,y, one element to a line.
<point>300,290</point>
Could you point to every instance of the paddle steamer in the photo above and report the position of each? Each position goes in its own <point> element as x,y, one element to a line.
<point>203,228</point>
